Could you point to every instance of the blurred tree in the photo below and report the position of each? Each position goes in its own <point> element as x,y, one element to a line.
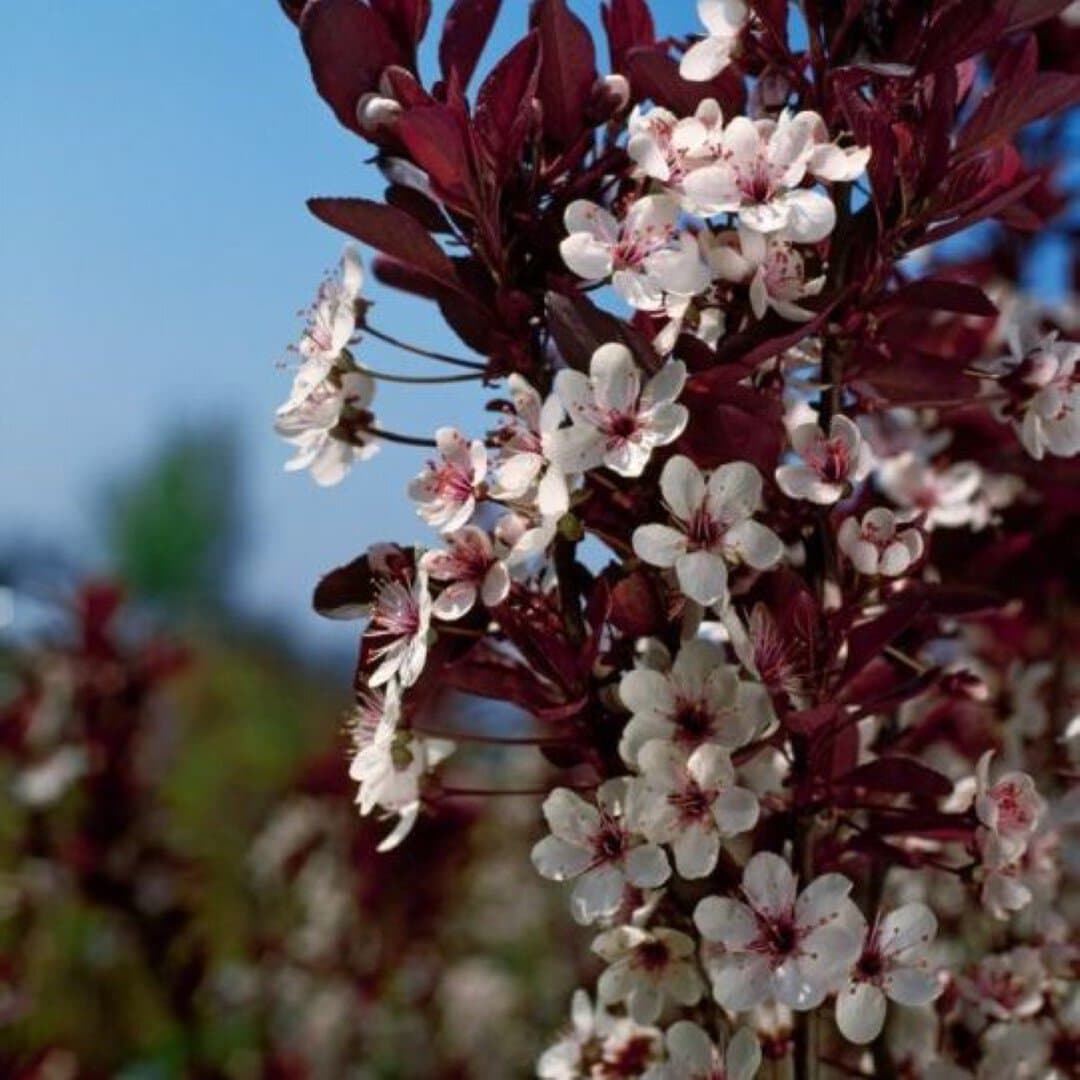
<point>173,526</point>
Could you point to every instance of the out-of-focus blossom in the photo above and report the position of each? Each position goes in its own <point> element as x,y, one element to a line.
<point>692,1055</point>
<point>946,497</point>
<point>1010,808</point>
<point>724,20</point>
<point>830,464</point>
<point>877,545</point>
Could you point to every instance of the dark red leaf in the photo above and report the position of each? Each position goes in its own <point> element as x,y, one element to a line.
<point>628,23</point>
<point>466,30</point>
<point>504,103</point>
<point>567,69</point>
<point>938,294</point>
<point>737,424</point>
<point>347,592</point>
<point>407,20</point>
<point>866,640</point>
<point>579,328</point>
<point>813,721</point>
<point>653,74</point>
<point>436,140</point>
<point>1020,14</point>
<point>899,776</point>
<point>390,231</point>
<point>347,45</point>
<point>1010,106</point>
<point>960,31</point>
<point>293,9</point>
<point>491,673</point>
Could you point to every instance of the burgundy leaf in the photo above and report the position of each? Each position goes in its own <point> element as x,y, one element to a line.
<point>653,74</point>
<point>738,424</point>
<point>579,328</point>
<point>488,672</point>
<point>567,69</point>
<point>466,30</point>
<point>866,640</point>
<point>813,721</point>
<point>628,23</point>
<point>899,776</point>
<point>504,103</point>
<point>436,140</point>
<point>1009,107</point>
<point>938,294</point>
<point>960,31</point>
<point>347,45</point>
<point>347,591</point>
<point>390,231</point>
<point>1020,14</point>
<point>407,20</point>
<point>293,9</point>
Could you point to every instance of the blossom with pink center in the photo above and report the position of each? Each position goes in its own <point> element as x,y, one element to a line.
<point>793,947</point>
<point>1009,808</point>
<point>645,255</point>
<point>700,700</point>
<point>1007,986</point>
<point>692,1055</point>
<point>714,527</point>
<point>724,20</point>
<point>327,422</point>
<point>645,968</point>
<point>759,172</point>
<point>772,268</point>
<point>523,469</point>
<point>946,496</point>
<point>396,639</point>
<point>667,148</point>
<point>876,545</point>
<point>471,569</point>
<point>891,965</point>
<point>596,846</point>
<point>614,421</point>
<point>448,488</point>
<point>600,1046</point>
<point>692,802</point>
<point>830,464</point>
<point>1042,378</point>
<point>331,319</point>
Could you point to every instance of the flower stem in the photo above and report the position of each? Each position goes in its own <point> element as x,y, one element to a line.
<point>402,440</point>
<point>443,358</point>
<point>384,376</point>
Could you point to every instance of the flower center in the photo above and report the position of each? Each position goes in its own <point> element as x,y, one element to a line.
<point>830,459</point>
<point>651,956</point>
<point>610,840</point>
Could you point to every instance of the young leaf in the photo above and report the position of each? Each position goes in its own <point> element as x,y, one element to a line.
<point>567,69</point>
<point>899,776</point>
<point>504,103</point>
<point>466,30</point>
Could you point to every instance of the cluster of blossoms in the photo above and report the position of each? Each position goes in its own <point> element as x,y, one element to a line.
<point>771,689</point>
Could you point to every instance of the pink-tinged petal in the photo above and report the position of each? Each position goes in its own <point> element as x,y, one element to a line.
<point>755,544</point>
<point>627,458</point>
<point>736,811</point>
<point>911,986</point>
<point>597,893</point>
<point>801,482</point>
<point>726,921</point>
<point>453,446</point>
<point>740,981</point>
<point>586,256</point>
<point>769,883</point>
<point>696,850</point>
<point>659,545</point>
<point>666,385</point>
<point>478,460</point>
<point>646,692</point>
<point>715,188</point>
<point>454,601</point>
<point>860,1012</point>
<point>570,817</point>
<point>702,576</point>
<point>683,487</point>
<point>722,17</point>
<point>655,213</point>
<point>647,867</point>
<point>582,216</point>
<point>705,59</point>
<point>805,438</point>
<point>557,860</point>
<point>644,151</point>
<point>576,449</point>
<point>810,215</point>
<point>734,491</point>
<point>496,585</point>
<point>614,376</point>
<point>710,765</point>
<point>662,764</point>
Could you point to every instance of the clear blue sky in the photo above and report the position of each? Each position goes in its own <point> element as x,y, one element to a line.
<point>154,248</point>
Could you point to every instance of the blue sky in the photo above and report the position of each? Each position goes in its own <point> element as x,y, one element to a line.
<point>155,249</point>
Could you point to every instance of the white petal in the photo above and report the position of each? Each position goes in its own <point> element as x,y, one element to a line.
<point>911,986</point>
<point>614,375</point>
<point>734,491</point>
<point>702,576</point>
<point>658,545</point>
<point>696,850</point>
<point>587,257</point>
<point>557,860</point>
<point>740,981</point>
<point>755,544</point>
<point>665,385</point>
<point>811,216</point>
<point>683,487</point>
<point>860,1012</point>
<point>721,919</point>
<point>743,1056</point>
<point>569,816</point>
<point>769,882</point>
<point>598,892</point>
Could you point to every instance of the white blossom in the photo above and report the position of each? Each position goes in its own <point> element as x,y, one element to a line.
<point>830,463</point>
<point>325,419</point>
<point>446,490</point>
<point>645,968</point>
<point>771,267</point>
<point>691,803</point>
<point>614,421</point>
<point>645,255</point>
<point>666,148</point>
<point>331,321</point>
<point>398,632</point>
<point>877,545</point>
<point>471,568</point>
<point>595,845</point>
<point>891,965</point>
<point>715,527</point>
<point>700,700</point>
<point>692,1055</point>
<point>947,496</point>
<point>724,20</point>
<point>794,948</point>
<point>1009,808</point>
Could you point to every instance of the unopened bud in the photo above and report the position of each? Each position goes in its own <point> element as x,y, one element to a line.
<point>609,97</point>
<point>374,111</point>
